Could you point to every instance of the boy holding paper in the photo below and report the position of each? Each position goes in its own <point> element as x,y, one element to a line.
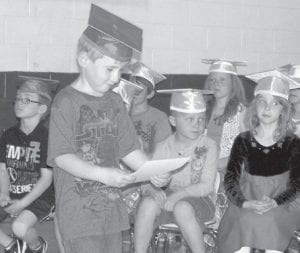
<point>188,193</point>
<point>90,131</point>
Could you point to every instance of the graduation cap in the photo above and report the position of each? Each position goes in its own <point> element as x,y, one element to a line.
<point>42,86</point>
<point>127,90</point>
<point>187,100</point>
<point>294,73</point>
<point>223,66</point>
<point>292,84</point>
<point>139,69</point>
<point>112,35</point>
<point>272,82</point>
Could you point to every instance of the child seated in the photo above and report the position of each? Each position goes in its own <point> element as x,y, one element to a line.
<point>151,124</point>
<point>26,192</point>
<point>188,193</point>
<point>263,175</point>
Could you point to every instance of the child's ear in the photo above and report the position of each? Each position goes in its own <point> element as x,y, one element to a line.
<point>172,120</point>
<point>151,94</point>
<point>43,109</point>
<point>82,59</point>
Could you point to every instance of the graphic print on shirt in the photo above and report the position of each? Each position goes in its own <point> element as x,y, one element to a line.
<point>20,164</point>
<point>197,163</point>
<point>96,143</point>
<point>147,135</point>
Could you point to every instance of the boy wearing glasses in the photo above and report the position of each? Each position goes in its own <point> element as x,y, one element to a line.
<point>26,189</point>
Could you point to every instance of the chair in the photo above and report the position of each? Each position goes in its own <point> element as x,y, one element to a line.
<point>168,234</point>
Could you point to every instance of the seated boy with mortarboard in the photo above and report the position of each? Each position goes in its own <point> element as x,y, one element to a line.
<point>27,192</point>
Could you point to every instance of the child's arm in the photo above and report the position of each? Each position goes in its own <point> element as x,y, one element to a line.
<point>136,159</point>
<point>40,187</point>
<point>82,169</point>
<point>4,185</point>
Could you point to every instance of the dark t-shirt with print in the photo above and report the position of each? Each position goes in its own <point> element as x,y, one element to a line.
<point>24,156</point>
<point>99,131</point>
<point>152,127</point>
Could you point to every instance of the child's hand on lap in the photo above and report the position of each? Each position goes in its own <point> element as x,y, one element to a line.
<point>260,206</point>
<point>15,207</point>
<point>4,200</point>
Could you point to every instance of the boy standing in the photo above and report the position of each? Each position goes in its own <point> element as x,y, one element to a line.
<point>151,124</point>
<point>90,131</point>
<point>26,182</point>
<point>187,195</point>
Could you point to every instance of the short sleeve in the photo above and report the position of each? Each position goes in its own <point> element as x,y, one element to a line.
<point>3,148</point>
<point>61,136</point>
<point>163,129</point>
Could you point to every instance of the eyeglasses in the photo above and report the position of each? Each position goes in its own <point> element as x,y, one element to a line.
<point>26,101</point>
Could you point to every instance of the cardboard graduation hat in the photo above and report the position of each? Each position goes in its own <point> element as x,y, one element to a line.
<point>112,35</point>
<point>127,90</point>
<point>187,100</point>
<point>292,84</point>
<point>42,86</point>
<point>294,73</point>
<point>139,69</point>
<point>274,83</point>
<point>223,66</point>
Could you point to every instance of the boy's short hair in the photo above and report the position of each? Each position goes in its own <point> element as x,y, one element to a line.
<point>85,46</point>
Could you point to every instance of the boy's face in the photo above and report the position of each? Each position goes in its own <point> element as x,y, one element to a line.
<point>101,75</point>
<point>294,97</point>
<point>189,126</point>
<point>27,105</point>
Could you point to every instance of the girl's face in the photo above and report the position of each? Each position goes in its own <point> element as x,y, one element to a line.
<point>189,126</point>
<point>268,108</point>
<point>294,97</point>
<point>221,84</point>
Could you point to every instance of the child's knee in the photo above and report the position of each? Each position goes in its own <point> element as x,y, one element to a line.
<point>183,209</point>
<point>19,228</point>
<point>149,204</point>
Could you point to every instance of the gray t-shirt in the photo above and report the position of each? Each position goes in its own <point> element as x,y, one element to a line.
<point>99,131</point>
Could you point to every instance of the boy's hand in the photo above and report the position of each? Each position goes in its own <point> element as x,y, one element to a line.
<point>161,180</point>
<point>15,207</point>
<point>4,200</point>
<point>116,177</point>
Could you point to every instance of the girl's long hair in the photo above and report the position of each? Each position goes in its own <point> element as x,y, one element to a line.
<point>285,125</point>
<point>236,99</point>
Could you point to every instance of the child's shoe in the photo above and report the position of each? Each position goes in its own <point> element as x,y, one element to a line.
<point>16,246</point>
<point>41,249</point>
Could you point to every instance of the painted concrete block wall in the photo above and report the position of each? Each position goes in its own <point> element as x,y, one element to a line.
<point>41,35</point>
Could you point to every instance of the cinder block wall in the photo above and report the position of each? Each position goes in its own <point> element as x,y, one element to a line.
<point>41,35</point>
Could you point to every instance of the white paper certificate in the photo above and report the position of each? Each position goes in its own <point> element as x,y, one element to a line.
<point>158,167</point>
